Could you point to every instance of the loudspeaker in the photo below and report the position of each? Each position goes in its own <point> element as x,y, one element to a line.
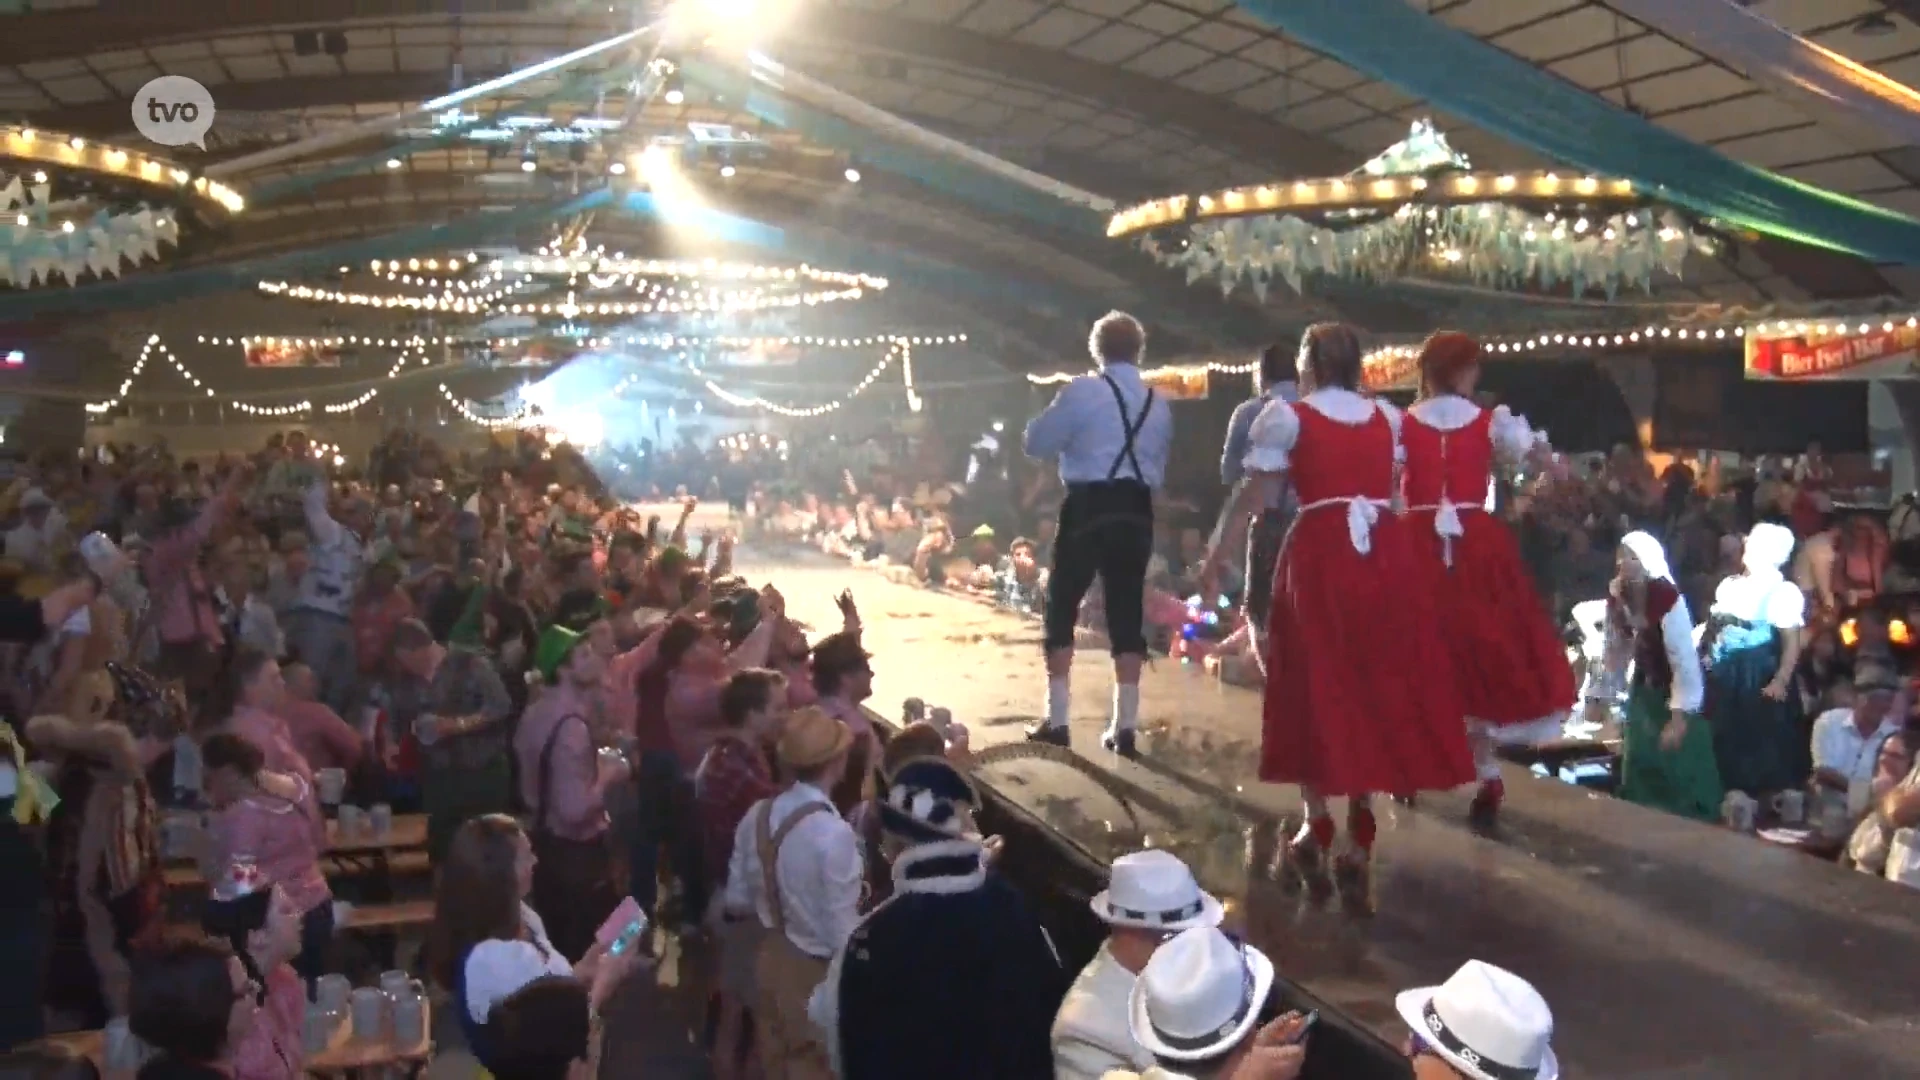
<point>334,42</point>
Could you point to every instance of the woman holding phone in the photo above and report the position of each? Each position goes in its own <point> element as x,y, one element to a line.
<point>487,941</point>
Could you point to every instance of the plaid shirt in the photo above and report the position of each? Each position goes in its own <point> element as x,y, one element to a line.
<point>731,778</point>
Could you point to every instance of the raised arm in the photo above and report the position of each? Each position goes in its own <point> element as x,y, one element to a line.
<point>1047,434</point>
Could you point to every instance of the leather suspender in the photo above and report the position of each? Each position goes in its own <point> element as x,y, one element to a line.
<point>770,841</point>
<point>1132,429</point>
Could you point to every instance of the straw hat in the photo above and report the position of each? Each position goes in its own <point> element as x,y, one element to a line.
<point>811,738</point>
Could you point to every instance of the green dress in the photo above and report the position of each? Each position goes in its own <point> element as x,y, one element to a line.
<point>1686,780</point>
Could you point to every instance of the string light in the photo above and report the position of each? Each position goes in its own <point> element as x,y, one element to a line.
<point>126,384</point>
<point>180,368</point>
<point>518,419</point>
<point>906,374</point>
<point>327,342</point>
<point>621,266</point>
<point>670,341</point>
<point>896,350</point>
<point>467,305</point>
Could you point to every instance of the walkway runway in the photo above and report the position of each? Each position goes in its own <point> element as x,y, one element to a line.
<point>1668,948</point>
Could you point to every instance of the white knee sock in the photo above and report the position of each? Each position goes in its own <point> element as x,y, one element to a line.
<point>1126,706</point>
<point>1486,763</point>
<point>1057,701</point>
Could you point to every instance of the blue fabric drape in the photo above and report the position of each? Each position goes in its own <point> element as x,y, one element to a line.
<point>1495,90</point>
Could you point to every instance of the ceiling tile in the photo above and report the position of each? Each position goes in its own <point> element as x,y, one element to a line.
<point>1686,88</point>
<point>1075,137</point>
<point>1001,16</point>
<point>78,90</point>
<point>1331,111</point>
<point>1059,27</point>
<point>127,80</point>
<point>1801,16</point>
<point>1109,8</point>
<point>1483,17</point>
<point>1369,137</point>
<point>1162,19</point>
<point>938,11</point>
<point>1861,173</point>
<point>1772,150</point>
<point>53,69</point>
<point>1222,76</point>
<point>940,103</point>
<point>254,68</point>
<point>1562,35</point>
<point>369,60</point>
<point>1220,37</point>
<point>118,59</point>
<point>1649,54</point>
<point>422,35</point>
<point>1732,119</point>
<point>1329,75</point>
<point>1380,97</point>
<point>1168,59</point>
<point>1113,44</point>
<point>1869,49</point>
<point>1276,93</point>
<point>1274,52</point>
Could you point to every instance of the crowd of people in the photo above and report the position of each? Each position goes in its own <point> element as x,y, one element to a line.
<point>614,741</point>
<point>617,742</point>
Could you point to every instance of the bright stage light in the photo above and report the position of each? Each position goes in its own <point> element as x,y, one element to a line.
<point>656,164</point>
<point>727,171</point>
<point>618,168</point>
<point>732,23</point>
<point>853,175</point>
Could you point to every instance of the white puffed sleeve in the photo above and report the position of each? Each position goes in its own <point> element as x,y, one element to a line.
<point>1513,438</point>
<point>1676,633</point>
<point>1786,607</point>
<point>1271,438</point>
<point>497,968</point>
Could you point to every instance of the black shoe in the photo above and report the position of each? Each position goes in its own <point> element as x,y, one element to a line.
<point>1057,734</point>
<point>1120,742</point>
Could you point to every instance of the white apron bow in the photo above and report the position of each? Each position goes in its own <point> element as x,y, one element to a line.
<point>1446,522</point>
<point>1362,513</point>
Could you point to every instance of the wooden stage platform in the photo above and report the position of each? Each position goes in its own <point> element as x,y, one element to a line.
<point>1667,948</point>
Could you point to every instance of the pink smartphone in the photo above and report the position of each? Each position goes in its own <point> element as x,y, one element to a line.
<point>624,916</point>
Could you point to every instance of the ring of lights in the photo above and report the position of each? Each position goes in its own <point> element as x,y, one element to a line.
<point>210,200</point>
<point>1356,197</point>
<point>1419,208</point>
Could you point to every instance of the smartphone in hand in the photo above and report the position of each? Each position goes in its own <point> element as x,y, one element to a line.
<point>622,928</point>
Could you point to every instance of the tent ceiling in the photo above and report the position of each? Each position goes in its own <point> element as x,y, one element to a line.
<point>1126,96</point>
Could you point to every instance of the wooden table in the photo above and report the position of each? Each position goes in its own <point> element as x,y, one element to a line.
<point>409,831</point>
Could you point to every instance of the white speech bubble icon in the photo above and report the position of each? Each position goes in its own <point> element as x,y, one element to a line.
<point>173,110</point>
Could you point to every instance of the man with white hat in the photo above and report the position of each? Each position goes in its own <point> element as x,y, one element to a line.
<point>1151,897</point>
<point>1196,1010</point>
<point>1484,1023</point>
<point>952,977</point>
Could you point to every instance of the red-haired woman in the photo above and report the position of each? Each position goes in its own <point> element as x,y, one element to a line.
<point>1359,693</point>
<point>1509,662</point>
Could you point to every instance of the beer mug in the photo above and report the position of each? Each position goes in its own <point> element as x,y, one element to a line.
<point>331,993</point>
<point>332,784</point>
<point>381,818</point>
<point>318,1027</point>
<point>1790,806</point>
<point>368,1008</point>
<point>352,821</point>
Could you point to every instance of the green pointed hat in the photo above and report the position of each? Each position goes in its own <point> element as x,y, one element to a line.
<point>555,645</point>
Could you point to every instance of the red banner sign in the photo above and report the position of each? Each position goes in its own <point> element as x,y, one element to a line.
<point>1880,354</point>
<point>287,354</point>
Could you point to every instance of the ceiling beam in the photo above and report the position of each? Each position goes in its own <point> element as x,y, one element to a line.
<point>107,118</point>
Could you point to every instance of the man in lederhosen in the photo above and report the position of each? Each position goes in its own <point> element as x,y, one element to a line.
<point>1270,522</point>
<point>1111,434</point>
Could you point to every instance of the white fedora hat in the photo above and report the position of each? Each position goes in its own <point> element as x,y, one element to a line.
<point>1199,996</point>
<point>1486,1021</point>
<point>1154,890</point>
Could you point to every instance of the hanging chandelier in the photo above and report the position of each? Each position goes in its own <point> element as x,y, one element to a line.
<point>1420,209</point>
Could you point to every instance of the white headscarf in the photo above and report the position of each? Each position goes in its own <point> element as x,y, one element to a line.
<point>1653,557</point>
<point>1768,548</point>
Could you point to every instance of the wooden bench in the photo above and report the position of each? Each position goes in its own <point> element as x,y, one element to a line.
<point>388,918</point>
<point>186,876</point>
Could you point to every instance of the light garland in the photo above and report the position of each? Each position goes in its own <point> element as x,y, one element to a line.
<point>1419,208</point>
<point>671,341</point>
<point>914,401</point>
<point>126,384</point>
<point>291,409</point>
<point>465,305</point>
<point>27,144</point>
<point>519,419</point>
<point>896,350</point>
<point>325,342</point>
<point>621,266</point>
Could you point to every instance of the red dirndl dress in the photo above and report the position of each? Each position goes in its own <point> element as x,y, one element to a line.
<point>1359,696</point>
<point>1509,662</point>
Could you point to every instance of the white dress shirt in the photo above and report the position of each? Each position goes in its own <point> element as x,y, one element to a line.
<point>497,968</point>
<point>1083,428</point>
<point>1090,1033</point>
<point>335,557</point>
<point>818,868</point>
<point>1838,744</point>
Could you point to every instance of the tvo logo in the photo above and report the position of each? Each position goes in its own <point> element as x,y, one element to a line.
<point>174,110</point>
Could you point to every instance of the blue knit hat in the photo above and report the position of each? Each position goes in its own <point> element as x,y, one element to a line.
<point>926,801</point>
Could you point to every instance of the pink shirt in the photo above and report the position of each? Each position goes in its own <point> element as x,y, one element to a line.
<point>272,1048</point>
<point>183,603</point>
<point>282,836</point>
<point>618,695</point>
<point>320,736</point>
<point>274,736</point>
<point>575,809</point>
<point>693,714</point>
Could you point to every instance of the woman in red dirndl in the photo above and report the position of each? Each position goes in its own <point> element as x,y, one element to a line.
<point>1359,696</point>
<point>1509,662</point>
